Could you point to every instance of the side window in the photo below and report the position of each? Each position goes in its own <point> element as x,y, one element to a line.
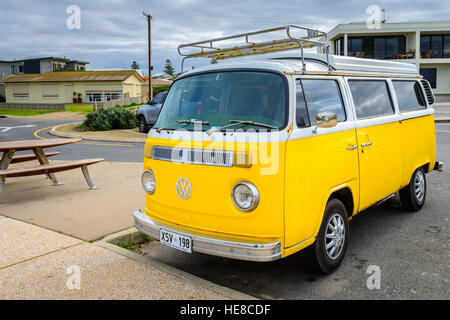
<point>409,95</point>
<point>300,109</point>
<point>323,95</point>
<point>371,98</point>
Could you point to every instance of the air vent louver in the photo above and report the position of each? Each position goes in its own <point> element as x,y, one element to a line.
<point>428,91</point>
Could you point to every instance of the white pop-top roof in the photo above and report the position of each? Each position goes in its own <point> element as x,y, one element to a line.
<point>291,62</point>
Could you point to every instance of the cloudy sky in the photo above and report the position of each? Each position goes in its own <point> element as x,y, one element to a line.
<point>113,33</point>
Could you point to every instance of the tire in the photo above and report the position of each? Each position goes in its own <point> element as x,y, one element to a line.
<point>143,126</point>
<point>413,195</point>
<point>325,260</point>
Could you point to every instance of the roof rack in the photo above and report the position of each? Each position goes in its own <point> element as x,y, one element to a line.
<point>209,48</point>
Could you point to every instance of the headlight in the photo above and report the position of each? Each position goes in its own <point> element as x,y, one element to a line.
<point>148,181</point>
<point>245,196</point>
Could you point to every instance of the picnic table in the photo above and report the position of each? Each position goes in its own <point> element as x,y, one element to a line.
<point>9,148</point>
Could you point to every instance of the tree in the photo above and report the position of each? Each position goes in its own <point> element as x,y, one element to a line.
<point>169,69</point>
<point>135,65</point>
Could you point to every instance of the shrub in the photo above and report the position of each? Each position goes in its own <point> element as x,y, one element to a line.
<point>109,119</point>
<point>159,89</point>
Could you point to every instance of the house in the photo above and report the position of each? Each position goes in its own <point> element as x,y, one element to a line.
<point>40,65</point>
<point>425,44</point>
<point>59,87</point>
<point>155,83</point>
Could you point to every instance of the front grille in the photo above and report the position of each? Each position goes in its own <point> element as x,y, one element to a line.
<point>194,156</point>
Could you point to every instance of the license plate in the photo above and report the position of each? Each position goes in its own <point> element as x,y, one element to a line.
<point>175,240</point>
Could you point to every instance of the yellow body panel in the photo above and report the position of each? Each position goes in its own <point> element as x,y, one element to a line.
<point>315,167</point>
<point>210,208</point>
<point>380,164</point>
<point>419,145</point>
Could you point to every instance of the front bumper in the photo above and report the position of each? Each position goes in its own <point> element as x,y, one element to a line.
<point>218,246</point>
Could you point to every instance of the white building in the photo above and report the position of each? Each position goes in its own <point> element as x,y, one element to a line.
<point>425,44</point>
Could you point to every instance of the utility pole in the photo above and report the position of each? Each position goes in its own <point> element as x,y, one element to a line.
<point>149,23</point>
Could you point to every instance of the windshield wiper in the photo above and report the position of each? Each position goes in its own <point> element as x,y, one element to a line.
<point>236,122</point>
<point>187,121</point>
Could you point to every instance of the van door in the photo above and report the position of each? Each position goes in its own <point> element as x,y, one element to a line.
<point>379,140</point>
<point>317,163</point>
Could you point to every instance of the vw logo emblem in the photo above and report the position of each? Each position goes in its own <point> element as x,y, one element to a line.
<point>184,188</point>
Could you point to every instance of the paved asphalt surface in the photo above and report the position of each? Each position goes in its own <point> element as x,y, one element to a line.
<point>411,249</point>
<point>110,151</point>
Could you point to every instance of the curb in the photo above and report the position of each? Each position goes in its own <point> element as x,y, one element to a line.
<point>54,131</point>
<point>441,120</point>
<point>133,235</point>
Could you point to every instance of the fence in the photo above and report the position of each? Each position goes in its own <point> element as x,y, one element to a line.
<point>112,103</point>
<point>33,106</point>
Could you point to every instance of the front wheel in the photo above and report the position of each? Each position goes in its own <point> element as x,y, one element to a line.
<point>413,195</point>
<point>143,127</point>
<point>328,251</point>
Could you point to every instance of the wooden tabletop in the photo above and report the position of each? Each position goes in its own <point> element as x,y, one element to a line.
<point>31,144</point>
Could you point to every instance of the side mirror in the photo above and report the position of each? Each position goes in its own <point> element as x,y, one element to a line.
<point>327,119</point>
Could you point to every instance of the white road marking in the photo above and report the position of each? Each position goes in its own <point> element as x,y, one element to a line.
<point>9,128</point>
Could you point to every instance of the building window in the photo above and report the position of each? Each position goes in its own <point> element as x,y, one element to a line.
<point>435,46</point>
<point>13,69</point>
<point>447,46</point>
<point>50,91</point>
<point>430,75</point>
<point>93,96</point>
<point>21,69</point>
<point>379,47</point>
<point>339,47</point>
<point>106,96</point>
<point>20,91</point>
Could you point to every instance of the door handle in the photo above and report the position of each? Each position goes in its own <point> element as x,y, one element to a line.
<point>352,147</point>
<point>366,144</point>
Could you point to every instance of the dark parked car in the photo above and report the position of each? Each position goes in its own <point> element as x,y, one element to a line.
<point>148,113</point>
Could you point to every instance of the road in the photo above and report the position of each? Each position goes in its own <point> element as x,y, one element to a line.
<point>411,249</point>
<point>33,128</point>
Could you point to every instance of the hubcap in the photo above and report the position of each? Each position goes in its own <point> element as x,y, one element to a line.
<point>419,186</point>
<point>335,236</point>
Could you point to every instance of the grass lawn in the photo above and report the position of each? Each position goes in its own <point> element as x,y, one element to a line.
<point>24,113</point>
<point>83,108</point>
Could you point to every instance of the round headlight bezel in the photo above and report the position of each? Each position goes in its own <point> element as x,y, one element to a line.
<point>146,172</point>
<point>254,191</point>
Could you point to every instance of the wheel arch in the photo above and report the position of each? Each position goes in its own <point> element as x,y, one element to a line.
<point>345,193</point>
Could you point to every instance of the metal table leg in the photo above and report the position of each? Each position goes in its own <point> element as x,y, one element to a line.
<point>40,155</point>
<point>4,164</point>
<point>88,177</point>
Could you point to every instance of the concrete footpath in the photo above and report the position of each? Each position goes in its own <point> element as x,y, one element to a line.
<point>36,263</point>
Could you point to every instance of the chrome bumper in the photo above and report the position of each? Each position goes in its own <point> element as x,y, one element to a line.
<point>214,246</point>
<point>439,166</point>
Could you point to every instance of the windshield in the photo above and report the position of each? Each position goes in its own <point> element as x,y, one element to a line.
<point>222,97</point>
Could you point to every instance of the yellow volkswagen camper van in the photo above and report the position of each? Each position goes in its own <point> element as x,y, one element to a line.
<point>273,150</point>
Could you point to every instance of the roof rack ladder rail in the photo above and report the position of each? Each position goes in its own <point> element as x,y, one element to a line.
<point>312,33</point>
<point>208,44</point>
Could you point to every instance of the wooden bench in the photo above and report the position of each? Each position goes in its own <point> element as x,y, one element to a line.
<point>10,147</point>
<point>30,157</point>
<point>52,168</point>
